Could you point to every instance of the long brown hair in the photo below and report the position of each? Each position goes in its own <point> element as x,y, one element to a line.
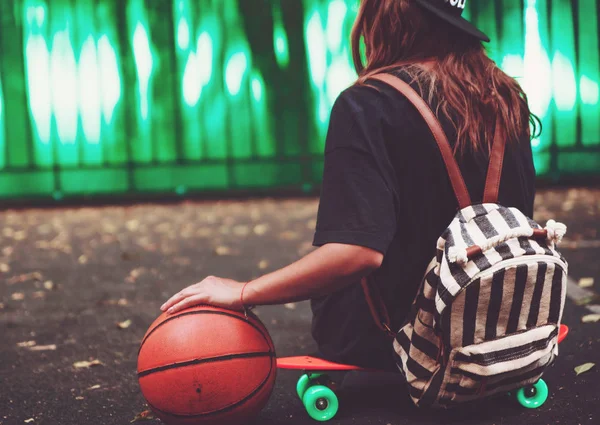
<point>473,92</point>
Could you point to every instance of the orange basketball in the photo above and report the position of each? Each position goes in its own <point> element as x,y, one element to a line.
<point>206,365</point>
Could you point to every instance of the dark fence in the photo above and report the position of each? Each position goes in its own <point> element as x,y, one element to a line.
<point>177,96</point>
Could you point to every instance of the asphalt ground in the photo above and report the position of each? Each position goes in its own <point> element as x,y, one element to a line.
<point>69,275</point>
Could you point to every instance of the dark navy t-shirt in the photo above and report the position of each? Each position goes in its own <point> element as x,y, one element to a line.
<point>385,187</point>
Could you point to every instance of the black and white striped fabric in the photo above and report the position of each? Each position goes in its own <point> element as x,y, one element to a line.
<point>486,317</point>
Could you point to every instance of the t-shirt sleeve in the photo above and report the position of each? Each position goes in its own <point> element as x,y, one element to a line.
<point>357,201</point>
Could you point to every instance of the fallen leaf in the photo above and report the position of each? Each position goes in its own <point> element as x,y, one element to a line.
<point>263,264</point>
<point>20,235</point>
<point>584,368</point>
<point>39,294</point>
<point>182,261</point>
<point>54,245</point>
<point>26,344</point>
<point>132,225</point>
<point>86,364</point>
<point>25,277</point>
<point>50,347</point>
<point>44,229</point>
<point>8,232</point>
<point>28,421</point>
<point>222,250</point>
<point>241,230</point>
<point>592,299</point>
<point>146,415</point>
<point>1,306</point>
<point>18,296</point>
<point>4,268</point>
<point>290,306</point>
<point>49,285</point>
<point>94,387</point>
<point>124,325</point>
<point>7,251</point>
<point>204,232</point>
<point>261,229</point>
<point>568,205</point>
<point>591,318</point>
<point>135,274</point>
<point>82,259</point>
<point>79,398</point>
<point>120,302</point>
<point>586,282</point>
<point>255,214</point>
<point>288,235</point>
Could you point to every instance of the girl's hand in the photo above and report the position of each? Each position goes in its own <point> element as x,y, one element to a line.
<point>215,291</point>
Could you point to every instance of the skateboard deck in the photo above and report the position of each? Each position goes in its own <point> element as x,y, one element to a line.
<point>314,364</point>
<point>562,333</point>
<point>317,391</point>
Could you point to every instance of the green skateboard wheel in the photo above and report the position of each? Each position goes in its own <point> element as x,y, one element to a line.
<point>304,383</point>
<point>533,396</point>
<point>321,403</point>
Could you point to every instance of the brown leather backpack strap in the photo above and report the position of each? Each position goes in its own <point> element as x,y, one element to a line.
<point>456,178</point>
<point>376,306</point>
<point>492,183</point>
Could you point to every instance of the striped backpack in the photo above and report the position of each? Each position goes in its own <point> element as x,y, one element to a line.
<point>486,317</point>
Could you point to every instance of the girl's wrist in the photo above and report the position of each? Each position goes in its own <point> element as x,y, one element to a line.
<point>243,303</point>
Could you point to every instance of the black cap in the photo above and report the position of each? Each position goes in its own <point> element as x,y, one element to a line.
<point>451,11</point>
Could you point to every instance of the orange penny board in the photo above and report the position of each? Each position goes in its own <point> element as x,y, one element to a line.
<point>313,364</point>
<point>562,333</point>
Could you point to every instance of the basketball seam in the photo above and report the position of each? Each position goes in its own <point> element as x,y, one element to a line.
<point>224,409</point>
<point>207,360</point>
<point>203,312</point>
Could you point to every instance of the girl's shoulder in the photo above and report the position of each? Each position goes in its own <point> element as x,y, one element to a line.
<point>376,100</point>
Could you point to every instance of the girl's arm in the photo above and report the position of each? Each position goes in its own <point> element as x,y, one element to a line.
<point>323,271</point>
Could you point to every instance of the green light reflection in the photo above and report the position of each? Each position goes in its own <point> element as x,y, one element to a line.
<point>280,39</point>
<point>590,94</point>
<point>235,71</point>
<point>144,63</point>
<point>192,87</point>
<point>37,68</point>
<point>204,47</point>
<point>109,77</point>
<point>183,34</point>
<point>63,73</point>
<point>257,88</point>
<point>537,81</point>
<point>317,54</point>
<point>2,130</point>
<point>589,72</point>
<point>336,13</point>
<point>89,91</point>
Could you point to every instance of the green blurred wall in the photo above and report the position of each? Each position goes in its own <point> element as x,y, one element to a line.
<point>133,96</point>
